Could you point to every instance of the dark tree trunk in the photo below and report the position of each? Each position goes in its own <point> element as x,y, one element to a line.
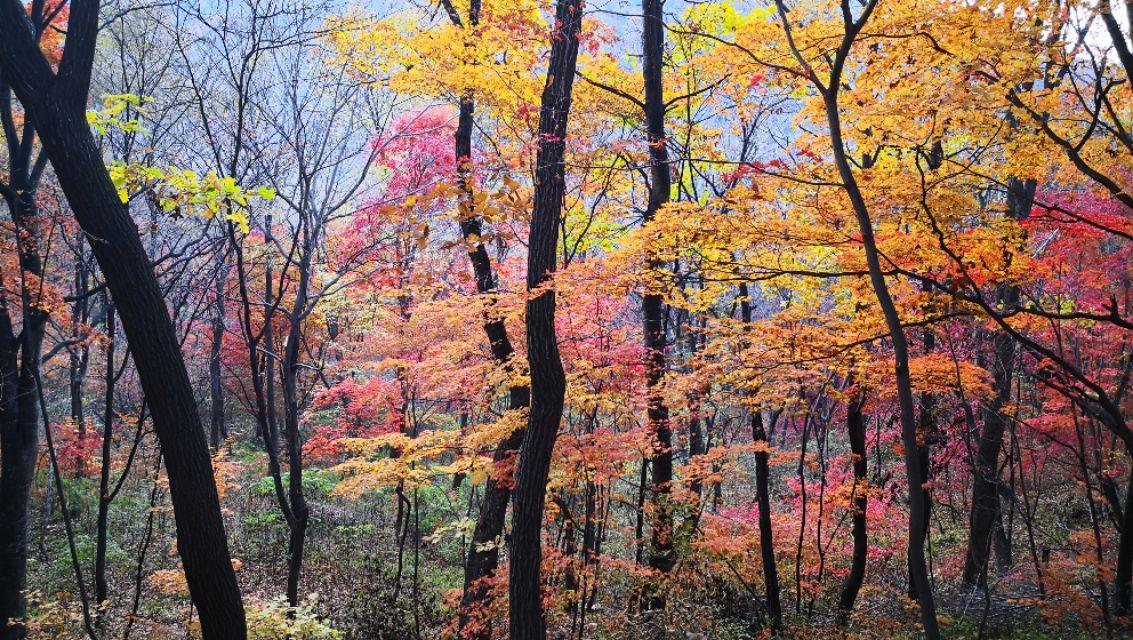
<point>19,437</point>
<point>218,430</point>
<point>79,354</point>
<point>484,550</point>
<point>914,469</point>
<point>548,381</point>
<point>766,536</point>
<point>101,589</point>
<point>56,102</point>
<point>986,505</point>
<point>661,556</point>
<point>763,495</point>
<point>855,427</point>
<point>1124,576</point>
<point>20,352</point>
<point>300,512</point>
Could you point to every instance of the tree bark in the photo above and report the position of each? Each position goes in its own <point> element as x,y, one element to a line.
<point>661,557</point>
<point>913,467</point>
<point>56,102</point>
<point>548,381</point>
<point>20,353</point>
<point>763,495</point>
<point>218,430</point>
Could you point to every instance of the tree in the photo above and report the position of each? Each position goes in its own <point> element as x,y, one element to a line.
<point>55,101</point>
<point>548,382</point>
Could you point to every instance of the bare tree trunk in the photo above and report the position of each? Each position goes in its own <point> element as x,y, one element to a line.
<point>101,589</point>
<point>218,430</point>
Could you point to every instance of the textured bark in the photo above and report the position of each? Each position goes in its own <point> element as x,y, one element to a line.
<point>986,505</point>
<point>662,556</point>
<point>55,102</point>
<point>548,381</point>
<point>484,551</point>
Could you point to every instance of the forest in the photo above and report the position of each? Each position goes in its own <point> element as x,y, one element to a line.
<point>566,319</point>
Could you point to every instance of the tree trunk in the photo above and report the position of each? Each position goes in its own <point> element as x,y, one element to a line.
<point>484,551</point>
<point>855,427</point>
<point>662,557</point>
<point>56,104</point>
<point>763,495</point>
<point>20,352</point>
<point>218,430</point>
<point>986,505</point>
<point>548,381</point>
<point>101,589</point>
<point>913,467</point>
<point>300,512</point>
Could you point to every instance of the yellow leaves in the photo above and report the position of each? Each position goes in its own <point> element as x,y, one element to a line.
<point>425,54</point>
<point>120,111</point>
<point>183,191</point>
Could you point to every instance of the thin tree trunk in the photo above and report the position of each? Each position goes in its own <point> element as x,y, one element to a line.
<point>763,495</point>
<point>986,504</point>
<point>300,511</point>
<point>218,430</point>
<point>913,467</point>
<point>101,590</point>
<point>855,427</point>
<point>484,551</point>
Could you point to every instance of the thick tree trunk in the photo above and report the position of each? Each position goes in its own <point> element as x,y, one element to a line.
<point>548,381</point>
<point>1123,580</point>
<point>19,447</point>
<point>855,427</point>
<point>137,295</point>
<point>20,352</point>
